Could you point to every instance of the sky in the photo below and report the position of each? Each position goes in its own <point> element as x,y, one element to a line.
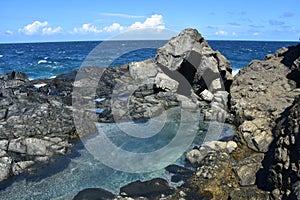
<point>78,20</point>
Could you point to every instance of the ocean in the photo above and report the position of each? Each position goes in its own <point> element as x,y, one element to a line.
<point>80,170</point>
<point>45,60</point>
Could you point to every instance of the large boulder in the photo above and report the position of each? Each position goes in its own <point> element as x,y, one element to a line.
<point>190,54</point>
<point>186,65</point>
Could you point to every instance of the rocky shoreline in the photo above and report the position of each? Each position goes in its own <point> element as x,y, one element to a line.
<point>261,162</point>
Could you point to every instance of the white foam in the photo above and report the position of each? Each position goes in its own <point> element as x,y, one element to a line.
<point>39,85</point>
<point>97,110</point>
<point>42,61</point>
<point>1,56</point>
<point>99,99</point>
<point>52,77</point>
<point>235,71</point>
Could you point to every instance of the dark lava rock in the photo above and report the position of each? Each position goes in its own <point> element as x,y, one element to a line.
<point>176,169</point>
<point>149,189</point>
<point>94,194</point>
<point>284,172</point>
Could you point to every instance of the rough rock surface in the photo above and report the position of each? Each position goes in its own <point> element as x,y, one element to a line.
<point>284,172</point>
<point>261,152</point>
<point>185,66</point>
<point>261,92</point>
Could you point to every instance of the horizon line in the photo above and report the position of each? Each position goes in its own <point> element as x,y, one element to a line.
<point>107,40</point>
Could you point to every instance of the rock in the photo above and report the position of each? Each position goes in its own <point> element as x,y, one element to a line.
<point>250,193</point>
<point>94,194</point>
<point>175,169</point>
<point>194,156</point>
<point>19,167</point>
<point>12,79</point>
<point>246,174</point>
<point>190,54</point>
<point>206,95</point>
<point>284,170</point>
<point>5,168</point>
<point>252,87</point>
<point>143,70</point>
<point>149,189</point>
<point>166,83</point>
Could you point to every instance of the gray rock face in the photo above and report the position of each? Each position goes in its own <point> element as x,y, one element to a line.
<point>256,103</point>
<point>188,66</point>
<point>285,169</point>
<point>192,56</point>
<point>28,122</point>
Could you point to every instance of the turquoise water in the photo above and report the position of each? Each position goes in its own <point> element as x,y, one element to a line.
<point>79,170</point>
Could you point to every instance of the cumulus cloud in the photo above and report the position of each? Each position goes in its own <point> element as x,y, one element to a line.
<point>113,27</point>
<point>50,31</point>
<point>221,32</point>
<point>86,28</point>
<point>155,21</point>
<point>33,28</point>
<point>38,27</point>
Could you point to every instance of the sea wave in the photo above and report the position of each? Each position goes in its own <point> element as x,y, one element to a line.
<point>1,56</point>
<point>42,61</point>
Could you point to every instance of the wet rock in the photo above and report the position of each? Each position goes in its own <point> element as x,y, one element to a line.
<point>149,189</point>
<point>176,169</point>
<point>94,194</point>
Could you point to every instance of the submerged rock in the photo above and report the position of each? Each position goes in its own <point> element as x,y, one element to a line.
<point>94,194</point>
<point>149,189</point>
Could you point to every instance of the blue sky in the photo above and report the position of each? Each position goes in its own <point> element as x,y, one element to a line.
<point>68,20</point>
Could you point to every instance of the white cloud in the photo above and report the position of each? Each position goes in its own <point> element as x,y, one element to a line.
<point>38,27</point>
<point>122,15</point>
<point>113,27</point>
<point>86,28</point>
<point>33,28</point>
<point>155,21</point>
<point>221,32</point>
<point>50,31</point>
<point>8,32</point>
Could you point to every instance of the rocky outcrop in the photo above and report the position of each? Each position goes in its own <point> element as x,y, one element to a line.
<point>261,92</point>
<point>284,172</point>
<point>239,169</point>
<point>185,66</point>
<point>33,126</point>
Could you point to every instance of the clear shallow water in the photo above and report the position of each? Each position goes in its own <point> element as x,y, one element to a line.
<point>66,177</point>
<point>43,60</point>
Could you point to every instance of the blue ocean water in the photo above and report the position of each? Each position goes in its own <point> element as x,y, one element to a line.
<point>44,60</point>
